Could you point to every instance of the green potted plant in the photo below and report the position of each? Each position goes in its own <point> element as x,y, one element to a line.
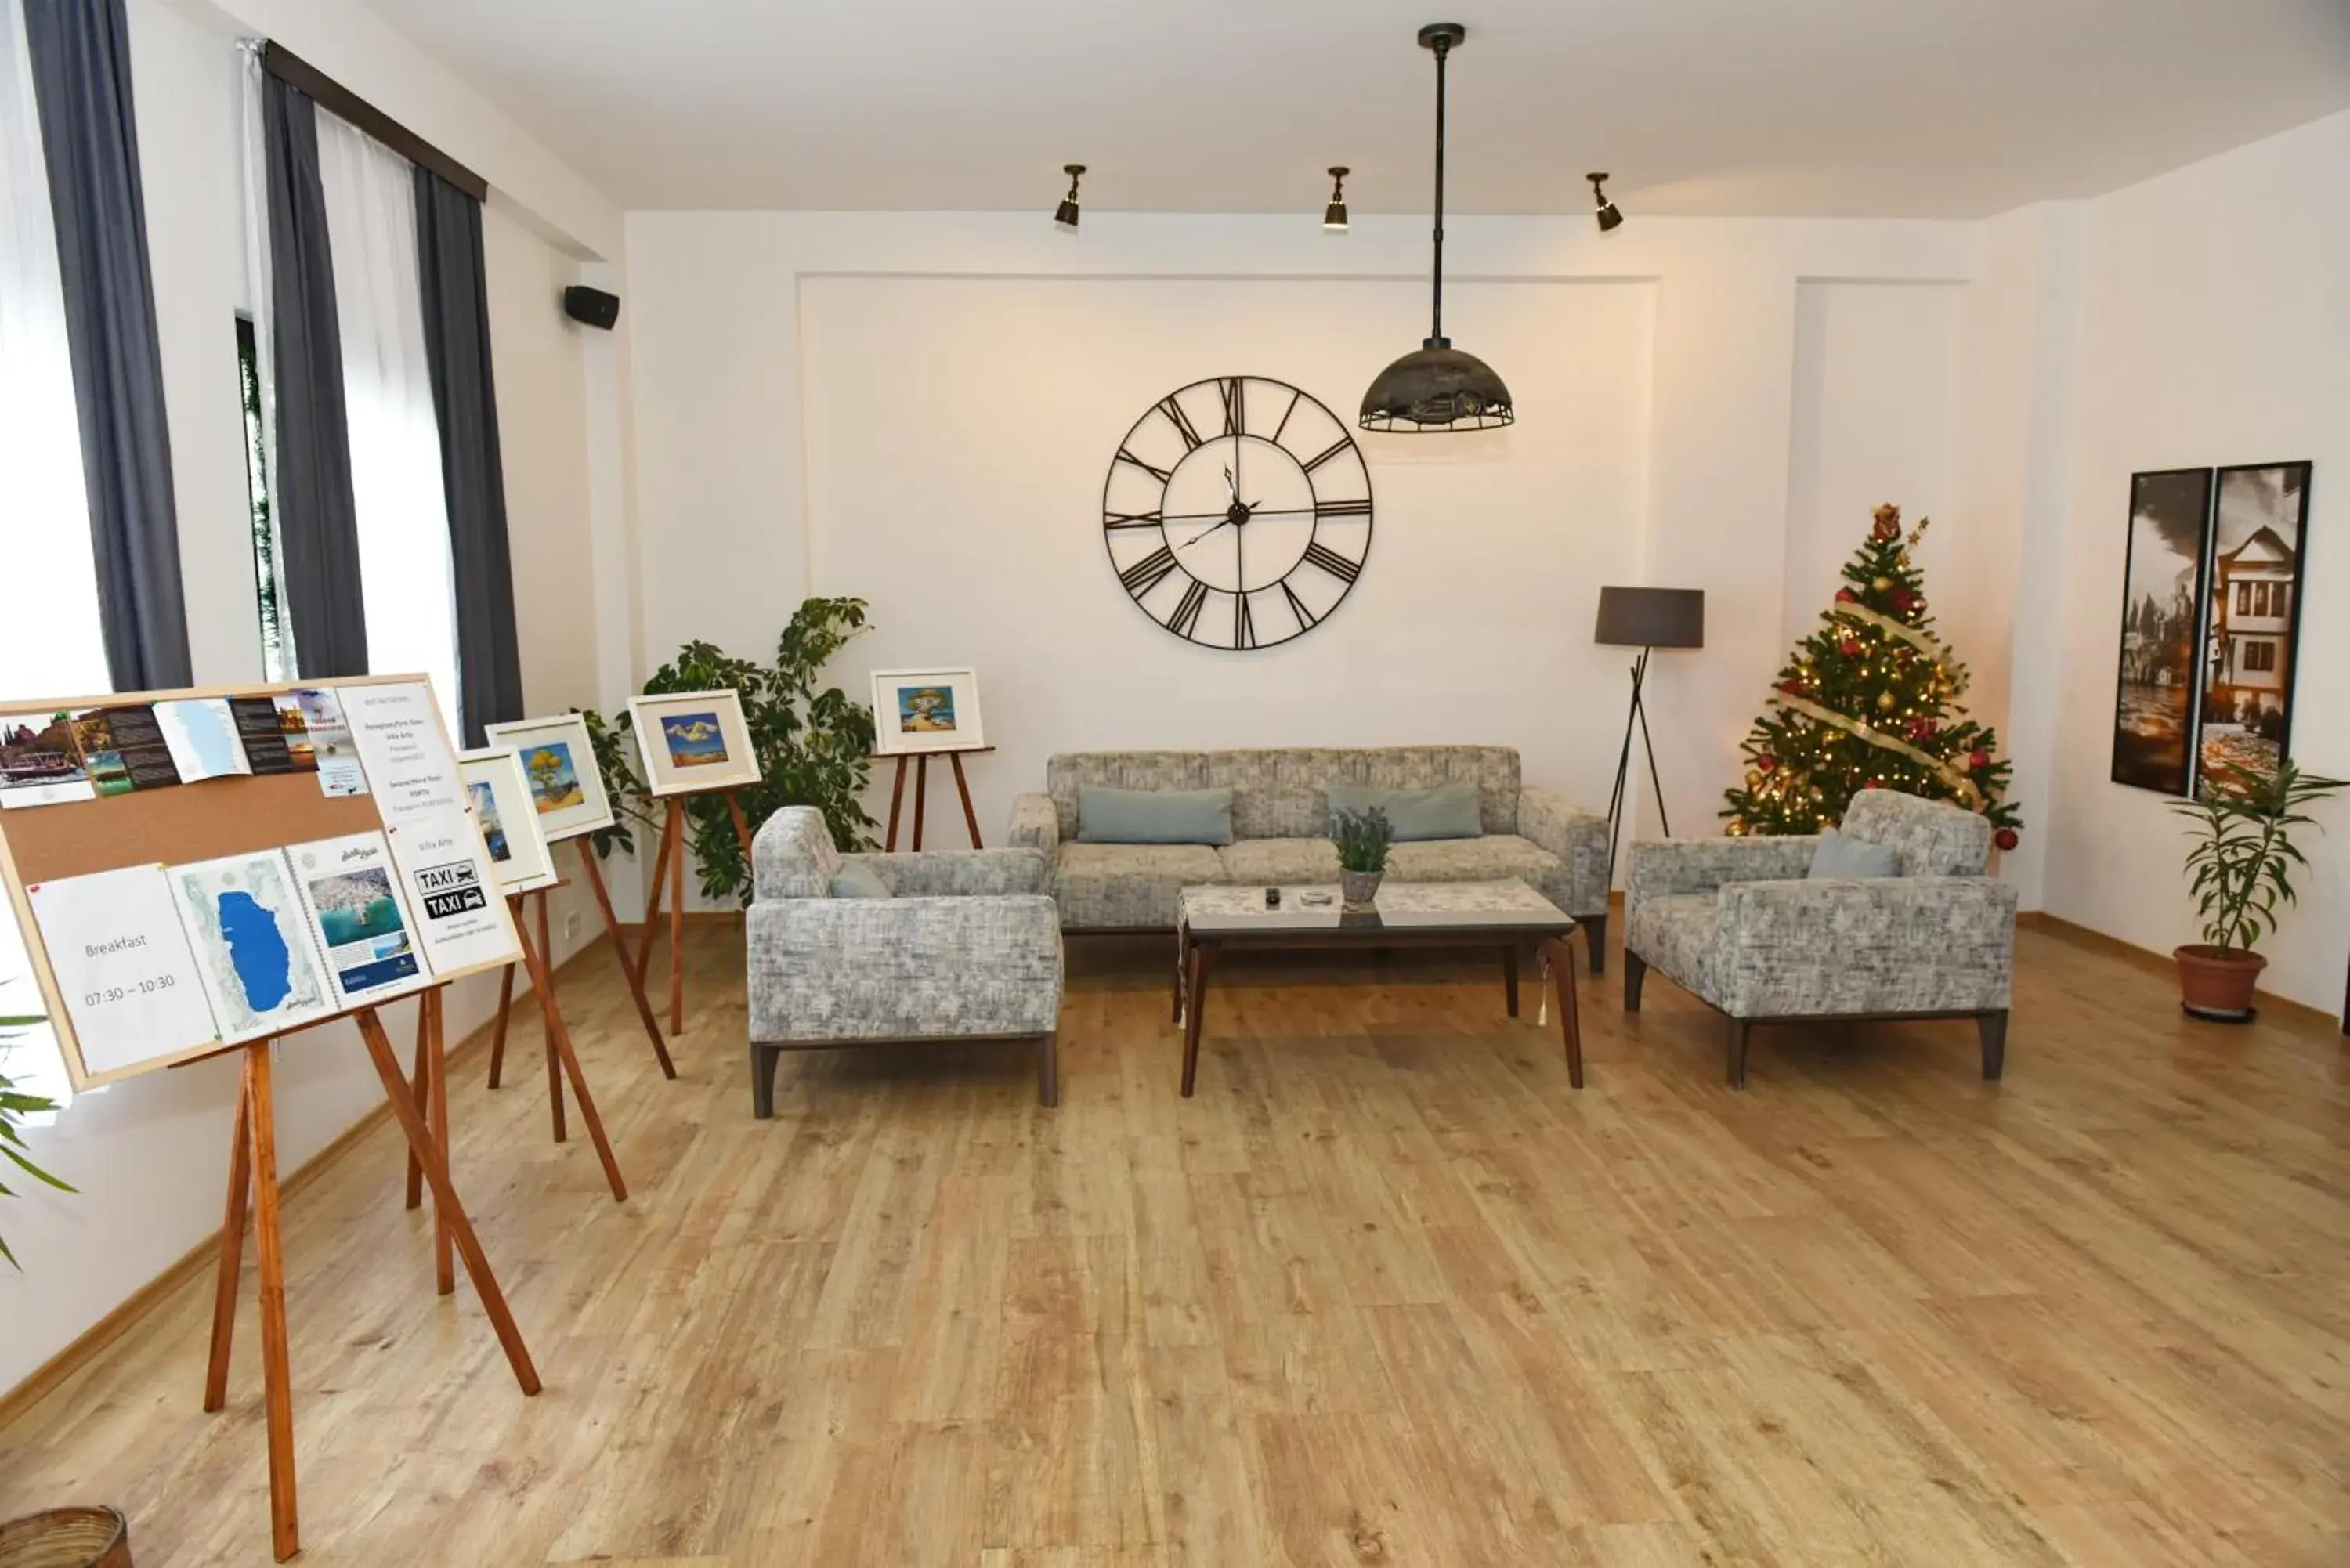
<point>2240,862</point>
<point>1362,839</point>
<point>58,1537</point>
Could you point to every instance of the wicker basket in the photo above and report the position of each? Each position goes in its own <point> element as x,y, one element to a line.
<point>67,1538</point>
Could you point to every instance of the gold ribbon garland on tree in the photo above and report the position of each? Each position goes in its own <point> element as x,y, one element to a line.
<point>1916,638</point>
<point>1954,777</point>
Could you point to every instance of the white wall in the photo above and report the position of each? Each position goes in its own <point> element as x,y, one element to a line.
<point>919,409</point>
<point>151,1155</point>
<point>2216,329</point>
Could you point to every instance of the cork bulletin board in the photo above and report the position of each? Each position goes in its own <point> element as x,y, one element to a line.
<point>198,821</point>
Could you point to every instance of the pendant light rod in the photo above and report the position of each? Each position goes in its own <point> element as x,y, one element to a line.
<point>1440,37</point>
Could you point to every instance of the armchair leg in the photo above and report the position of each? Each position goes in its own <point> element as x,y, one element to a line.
<point>1738,1053</point>
<point>1594,941</point>
<point>763,1081</point>
<point>1635,970</point>
<point>1992,1026</point>
<point>1048,1069</point>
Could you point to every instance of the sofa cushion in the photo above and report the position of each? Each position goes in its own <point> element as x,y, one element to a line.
<point>1933,838</point>
<point>1280,862</point>
<point>1104,886</point>
<point>1065,772</point>
<point>1841,855</point>
<point>1488,859</point>
<point>1414,816</point>
<point>1676,933</point>
<point>1111,815</point>
<point>856,879</point>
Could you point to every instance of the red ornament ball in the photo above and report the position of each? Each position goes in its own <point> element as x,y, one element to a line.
<point>2004,839</point>
<point>1870,785</point>
<point>1978,761</point>
<point>1849,647</point>
<point>1792,687</point>
<point>1846,597</point>
<point>1904,601</point>
<point>1766,761</point>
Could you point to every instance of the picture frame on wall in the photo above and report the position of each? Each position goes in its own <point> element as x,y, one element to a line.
<point>2162,598</point>
<point>2251,624</point>
<point>505,813</point>
<point>558,760</point>
<point>694,741</point>
<point>926,711</point>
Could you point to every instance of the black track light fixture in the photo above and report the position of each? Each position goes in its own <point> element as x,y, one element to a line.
<point>1437,388</point>
<point>1065,214</point>
<point>1609,218</point>
<point>1334,216</point>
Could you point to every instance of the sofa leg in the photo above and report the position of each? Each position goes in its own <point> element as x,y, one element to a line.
<point>1048,1069</point>
<point>1635,970</point>
<point>1738,1053</point>
<point>1594,941</point>
<point>763,1081</point>
<point>1992,1026</point>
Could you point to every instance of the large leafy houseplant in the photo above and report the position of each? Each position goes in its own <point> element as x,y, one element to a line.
<point>2240,862</point>
<point>15,1107</point>
<point>814,743</point>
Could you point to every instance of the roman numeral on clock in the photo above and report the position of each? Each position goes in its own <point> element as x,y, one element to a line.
<point>1235,405</point>
<point>1327,453</point>
<point>1161,474</point>
<point>1305,618</point>
<point>1244,622</point>
<point>1180,421</point>
<point>1187,609</point>
<point>1149,572</point>
<point>1133,520</point>
<point>1330,561</point>
<point>1343,508</point>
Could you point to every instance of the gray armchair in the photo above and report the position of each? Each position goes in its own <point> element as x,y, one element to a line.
<point>967,947</point>
<point>1735,922</point>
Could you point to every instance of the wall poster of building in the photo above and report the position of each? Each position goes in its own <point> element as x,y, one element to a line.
<point>2253,623</point>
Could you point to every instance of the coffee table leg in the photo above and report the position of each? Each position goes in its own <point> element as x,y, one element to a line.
<point>1195,1001</point>
<point>1510,977</point>
<point>1559,960</point>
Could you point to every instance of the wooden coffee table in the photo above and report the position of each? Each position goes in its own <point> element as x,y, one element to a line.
<point>1489,916</point>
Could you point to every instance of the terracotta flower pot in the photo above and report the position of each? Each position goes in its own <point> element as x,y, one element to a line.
<point>1359,888</point>
<point>2216,983</point>
<point>67,1538</point>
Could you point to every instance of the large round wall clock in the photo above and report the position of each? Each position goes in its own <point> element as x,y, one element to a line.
<point>1238,512</point>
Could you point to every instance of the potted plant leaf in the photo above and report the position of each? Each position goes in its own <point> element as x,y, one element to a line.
<point>1362,839</point>
<point>58,1537</point>
<point>2241,861</point>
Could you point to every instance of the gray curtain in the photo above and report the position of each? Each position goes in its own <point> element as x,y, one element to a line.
<point>465,404</point>
<point>81,53</point>
<point>317,514</point>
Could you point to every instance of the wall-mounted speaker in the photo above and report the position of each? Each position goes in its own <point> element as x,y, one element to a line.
<point>591,306</point>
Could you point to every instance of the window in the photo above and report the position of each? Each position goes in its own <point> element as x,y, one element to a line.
<point>2243,598</point>
<point>269,582</point>
<point>2279,596</point>
<point>2260,657</point>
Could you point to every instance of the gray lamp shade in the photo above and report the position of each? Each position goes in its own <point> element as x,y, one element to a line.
<point>1437,388</point>
<point>1651,618</point>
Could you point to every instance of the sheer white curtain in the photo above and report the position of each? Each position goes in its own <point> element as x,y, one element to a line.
<point>403,511</point>
<point>50,645</point>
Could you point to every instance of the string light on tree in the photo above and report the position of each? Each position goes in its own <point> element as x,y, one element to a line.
<point>1869,700</point>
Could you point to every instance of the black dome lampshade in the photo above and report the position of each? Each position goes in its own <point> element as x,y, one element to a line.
<point>1651,618</point>
<point>1438,389</point>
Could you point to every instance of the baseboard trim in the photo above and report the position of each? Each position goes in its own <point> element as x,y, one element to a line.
<point>634,930</point>
<point>201,1259</point>
<point>2153,962</point>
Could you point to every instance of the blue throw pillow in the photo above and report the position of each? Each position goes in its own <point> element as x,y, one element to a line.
<point>1107,816</point>
<point>1441,811</point>
<point>1840,854</point>
<point>856,879</point>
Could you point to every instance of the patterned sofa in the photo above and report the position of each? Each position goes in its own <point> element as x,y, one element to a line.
<point>967,947</point>
<point>1736,922</point>
<point>1280,823</point>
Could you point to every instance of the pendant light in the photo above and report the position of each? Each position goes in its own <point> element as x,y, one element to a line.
<point>1437,388</point>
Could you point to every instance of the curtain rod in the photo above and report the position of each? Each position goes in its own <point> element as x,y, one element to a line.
<point>333,96</point>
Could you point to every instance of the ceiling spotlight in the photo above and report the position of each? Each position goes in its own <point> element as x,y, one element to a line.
<point>1065,214</point>
<point>1334,216</point>
<point>1609,218</point>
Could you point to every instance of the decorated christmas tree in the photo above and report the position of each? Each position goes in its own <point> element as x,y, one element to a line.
<point>1870,702</point>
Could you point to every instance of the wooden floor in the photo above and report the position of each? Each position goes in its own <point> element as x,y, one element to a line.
<point>1387,1292</point>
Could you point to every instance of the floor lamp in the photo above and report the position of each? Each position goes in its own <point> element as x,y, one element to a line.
<point>1648,619</point>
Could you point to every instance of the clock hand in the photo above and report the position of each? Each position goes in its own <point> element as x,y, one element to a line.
<point>1204,533</point>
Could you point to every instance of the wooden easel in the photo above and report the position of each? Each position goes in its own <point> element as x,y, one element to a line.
<point>631,976</point>
<point>562,1061</point>
<point>921,761</point>
<point>253,1177</point>
<point>669,873</point>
